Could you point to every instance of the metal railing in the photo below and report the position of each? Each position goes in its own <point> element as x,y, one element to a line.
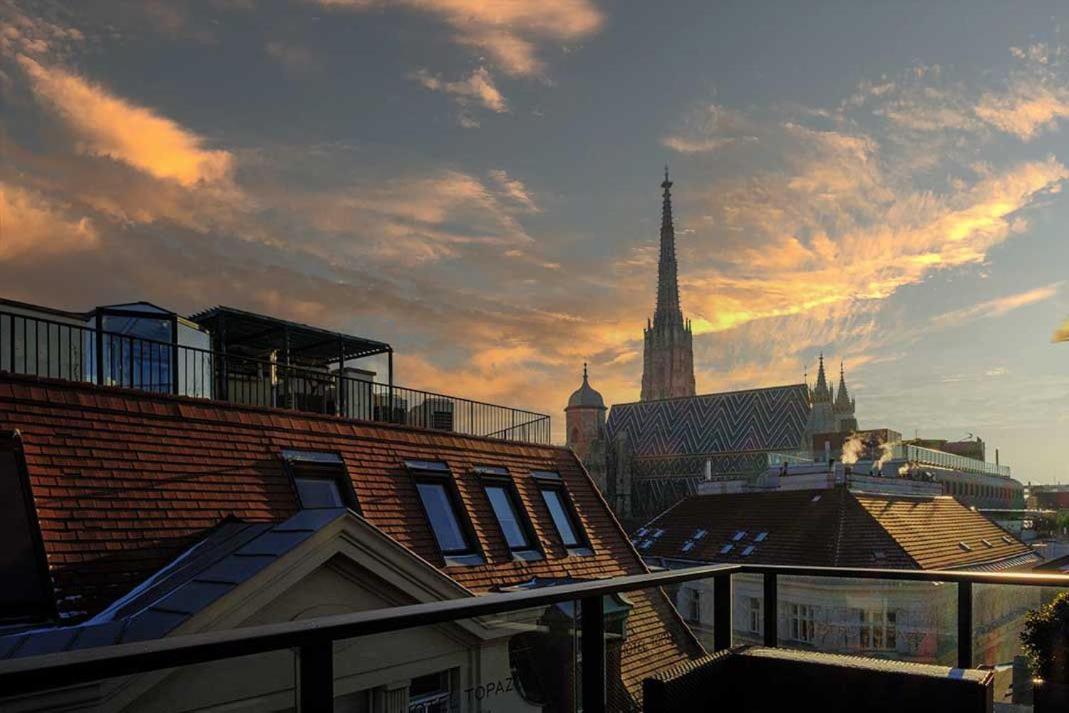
<point>314,639</point>
<point>75,352</point>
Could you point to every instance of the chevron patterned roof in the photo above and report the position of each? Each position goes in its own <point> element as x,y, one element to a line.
<point>754,420</point>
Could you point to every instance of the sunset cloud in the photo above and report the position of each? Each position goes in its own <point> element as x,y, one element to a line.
<point>996,307</point>
<point>109,126</point>
<point>509,31</point>
<point>31,226</point>
<point>478,88</point>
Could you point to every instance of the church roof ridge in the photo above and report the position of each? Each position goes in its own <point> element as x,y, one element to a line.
<point>753,389</point>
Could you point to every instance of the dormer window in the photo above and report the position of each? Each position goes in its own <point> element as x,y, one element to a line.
<point>445,514</point>
<point>561,511</point>
<point>320,480</point>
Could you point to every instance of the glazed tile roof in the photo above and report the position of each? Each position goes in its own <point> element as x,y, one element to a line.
<point>830,528</point>
<point>125,481</point>
<point>771,419</point>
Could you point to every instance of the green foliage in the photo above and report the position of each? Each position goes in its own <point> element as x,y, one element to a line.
<point>1046,639</point>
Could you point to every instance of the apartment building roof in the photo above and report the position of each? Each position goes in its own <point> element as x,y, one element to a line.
<point>124,482</point>
<point>834,527</point>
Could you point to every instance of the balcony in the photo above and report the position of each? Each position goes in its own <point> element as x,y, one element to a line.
<point>558,648</point>
<point>246,359</point>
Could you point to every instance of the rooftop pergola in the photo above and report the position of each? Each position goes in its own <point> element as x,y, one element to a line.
<point>238,332</point>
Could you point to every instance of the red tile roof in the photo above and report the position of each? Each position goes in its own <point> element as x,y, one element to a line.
<point>831,527</point>
<point>124,480</point>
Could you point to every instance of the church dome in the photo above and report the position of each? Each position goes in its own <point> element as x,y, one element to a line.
<point>585,396</point>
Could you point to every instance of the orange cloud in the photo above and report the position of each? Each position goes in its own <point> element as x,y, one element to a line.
<point>479,87</point>
<point>507,30</point>
<point>32,227</point>
<point>106,125</point>
<point>996,307</point>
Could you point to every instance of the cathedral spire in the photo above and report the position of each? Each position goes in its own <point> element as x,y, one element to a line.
<point>821,392</point>
<point>668,354</point>
<point>667,283</point>
<point>842,399</point>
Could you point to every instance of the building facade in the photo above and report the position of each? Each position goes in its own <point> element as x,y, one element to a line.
<point>848,525</point>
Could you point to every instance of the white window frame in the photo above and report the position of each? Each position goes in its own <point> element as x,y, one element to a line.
<point>878,629</point>
<point>801,622</point>
<point>756,613</point>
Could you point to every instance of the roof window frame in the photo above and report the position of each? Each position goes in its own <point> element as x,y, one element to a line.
<point>551,481</point>
<point>293,459</point>
<point>498,477</point>
<point>434,472</point>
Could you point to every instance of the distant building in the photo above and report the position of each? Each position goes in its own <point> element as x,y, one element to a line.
<point>648,454</point>
<point>668,353</point>
<point>845,525</point>
<point>585,427</point>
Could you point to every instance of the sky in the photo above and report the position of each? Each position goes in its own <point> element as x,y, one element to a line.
<point>477,183</point>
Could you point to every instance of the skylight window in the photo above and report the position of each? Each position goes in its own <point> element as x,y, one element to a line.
<point>726,548</point>
<point>562,513</point>
<point>642,532</point>
<point>688,546</point>
<point>699,534</point>
<point>657,534</point>
<point>441,505</point>
<point>739,534</point>
<point>320,480</point>
<point>815,499</point>
<point>747,551</point>
<point>760,537</point>
<point>511,518</point>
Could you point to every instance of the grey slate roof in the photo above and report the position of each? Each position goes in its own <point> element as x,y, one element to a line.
<point>231,554</point>
<point>771,419</point>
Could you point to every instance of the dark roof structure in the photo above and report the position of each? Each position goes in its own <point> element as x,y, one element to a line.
<point>770,419</point>
<point>832,527</point>
<point>126,482</point>
<point>229,555</point>
<point>585,396</point>
<point>248,332</point>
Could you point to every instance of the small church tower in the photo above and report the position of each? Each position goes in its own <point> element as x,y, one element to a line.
<point>585,422</point>
<point>668,356</point>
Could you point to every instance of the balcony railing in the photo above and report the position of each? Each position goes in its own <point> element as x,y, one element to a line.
<point>313,641</point>
<point>72,352</point>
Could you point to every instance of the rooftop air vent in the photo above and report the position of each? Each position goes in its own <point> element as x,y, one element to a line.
<point>965,547</point>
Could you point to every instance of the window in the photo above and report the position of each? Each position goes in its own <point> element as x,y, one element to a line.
<point>511,518</point>
<point>755,610</point>
<point>27,592</point>
<point>560,510</point>
<point>430,694</point>
<point>877,630</point>
<point>692,604</point>
<point>320,480</point>
<point>441,504</point>
<point>801,624</point>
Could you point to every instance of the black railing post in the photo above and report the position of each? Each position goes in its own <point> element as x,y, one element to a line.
<point>771,613</point>
<point>315,678</point>
<point>592,642</point>
<point>721,612</point>
<point>389,398</point>
<point>99,342</point>
<point>964,624</point>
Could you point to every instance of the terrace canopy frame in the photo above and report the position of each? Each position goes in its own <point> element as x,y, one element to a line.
<point>241,333</point>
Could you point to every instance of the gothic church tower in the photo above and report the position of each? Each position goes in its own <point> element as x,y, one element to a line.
<point>668,358</point>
